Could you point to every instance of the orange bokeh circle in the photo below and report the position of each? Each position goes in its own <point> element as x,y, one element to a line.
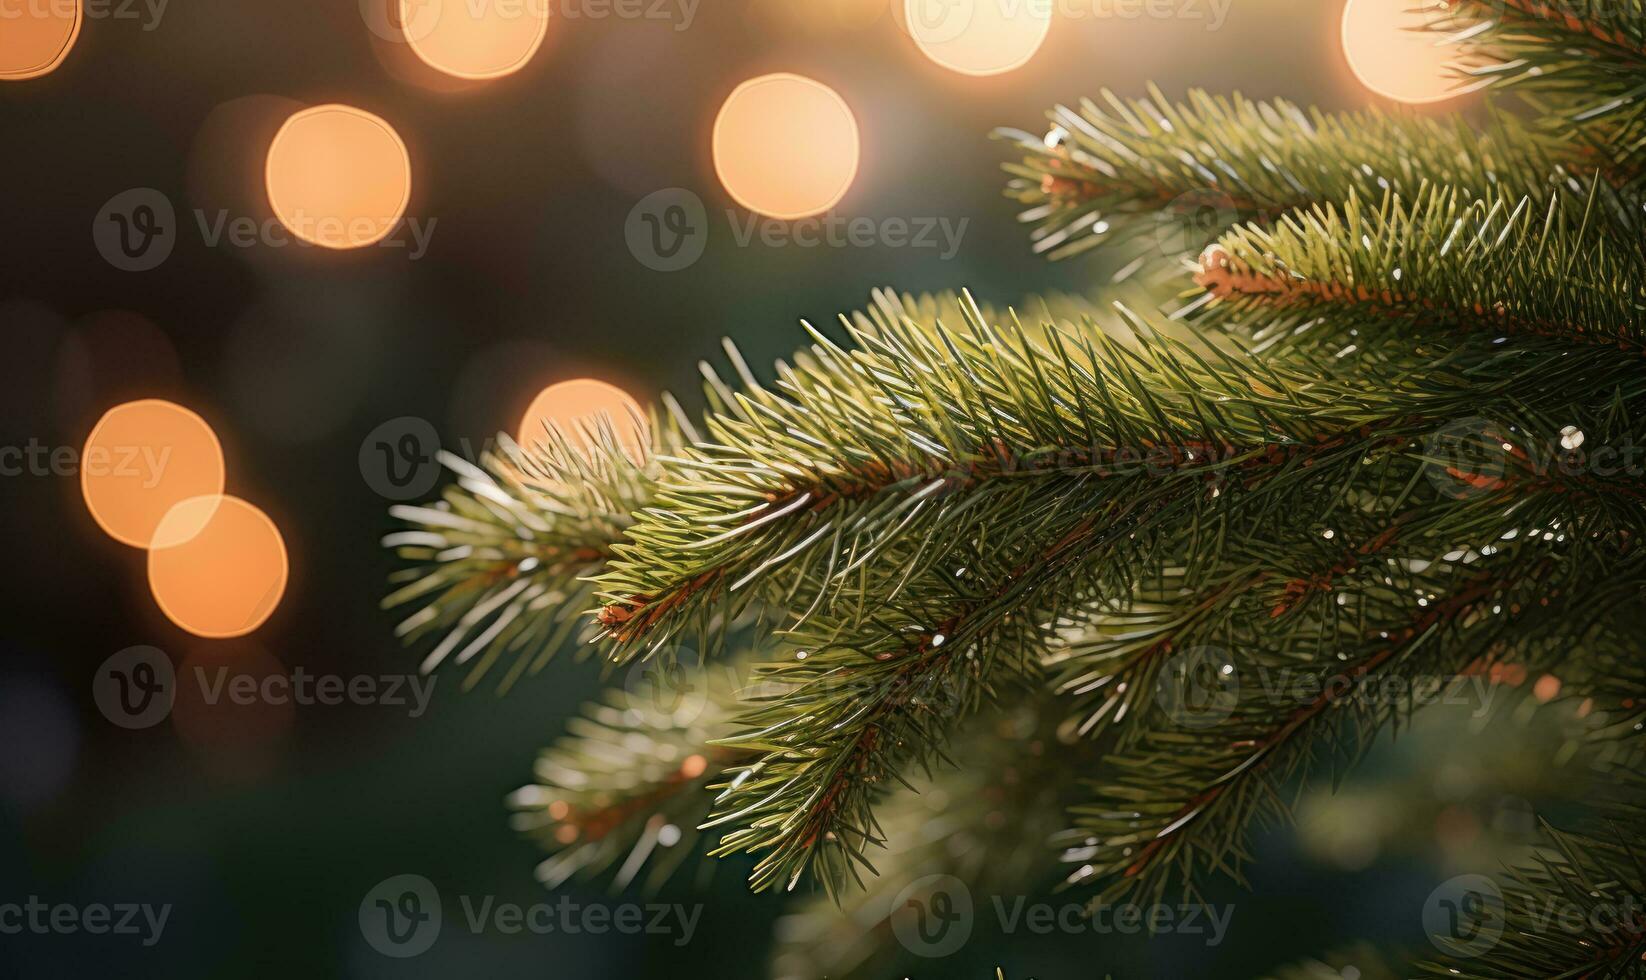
<point>978,37</point>
<point>227,577</point>
<point>338,177</point>
<point>1393,50</point>
<point>575,408</point>
<point>37,37</point>
<point>785,146</point>
<point>141,460</point>
<point>472,40</point>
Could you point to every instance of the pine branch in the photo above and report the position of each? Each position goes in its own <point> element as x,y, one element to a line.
<point>1178,804</point>
<point>1119,170</point>
<point>626,785</point>
<point>1440,263</point>
<point>1583,62</point>
<point>857,449</point>
<point>1576,908</point>
<point>498,565</point>
<point>984,825</point>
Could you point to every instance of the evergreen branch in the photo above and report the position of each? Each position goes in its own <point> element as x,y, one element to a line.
<point>984,825</point>
<point>1179,802</point>
<point>922,427</point>
<point>1440,262</point>
<point>625,786</point>
<point>1585,58</point>
<point>1117,170</point>
<point>497,566</point>
<point>1575,909</point>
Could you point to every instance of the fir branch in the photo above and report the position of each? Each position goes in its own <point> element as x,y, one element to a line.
<point>854,450</point>
<point>1117,169</point>
<point>984,825</point>
<point>1583,62</point>
<point>498,565</point>
<point>1575,909</point>
<point>1179,802</point>
<point>625,786</point>
<point>1440,262</point>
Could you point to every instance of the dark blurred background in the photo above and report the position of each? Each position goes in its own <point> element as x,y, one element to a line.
<point>264,828</point>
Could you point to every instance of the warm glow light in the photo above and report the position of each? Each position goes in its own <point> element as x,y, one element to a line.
<point>785,146</point>
<point>142,459</point>
<point>575,407</point>
<point>1393,54</point>
<point>228,577</point>
<point>465,39</point>
<point>338,177</point>
<point>36,36</point>
<point>978,37</point>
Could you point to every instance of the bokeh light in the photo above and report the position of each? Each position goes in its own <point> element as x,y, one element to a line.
<point>338,177</point>
<point>224,579</point>
<point>36,37</point>
<point>978,37</point>
<point>785,146</point>
<point>475,41</point>
<point>141,460</point>
<point>576,407</point>
<point>1394,52</point>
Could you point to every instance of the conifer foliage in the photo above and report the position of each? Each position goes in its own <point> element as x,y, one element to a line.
<point>1020,561</point>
